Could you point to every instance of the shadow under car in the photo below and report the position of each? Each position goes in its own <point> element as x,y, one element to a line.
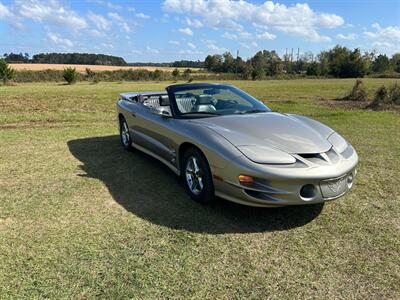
<point>148,189</point>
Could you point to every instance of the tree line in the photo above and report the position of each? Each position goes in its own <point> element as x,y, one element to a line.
<point>338,62</point>
<point>65,58</point>
<point>91,59</point>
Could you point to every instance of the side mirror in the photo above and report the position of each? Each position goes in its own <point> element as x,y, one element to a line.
<point>163,111</point>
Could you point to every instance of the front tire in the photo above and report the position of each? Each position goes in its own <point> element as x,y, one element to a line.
<point>196,176</point>
<point>125,135</point>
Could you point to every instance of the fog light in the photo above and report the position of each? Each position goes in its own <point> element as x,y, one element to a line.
<point>308,192</point>
<point>245,180</point>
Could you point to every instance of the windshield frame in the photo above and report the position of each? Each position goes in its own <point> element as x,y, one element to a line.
<point>172,89</point>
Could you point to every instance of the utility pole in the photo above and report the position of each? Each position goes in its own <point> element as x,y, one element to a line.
<point>237,61</point>
<point>291,57</point>
<point>298,53</point>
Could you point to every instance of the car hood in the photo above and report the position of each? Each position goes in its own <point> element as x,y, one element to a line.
<point>289,133</point>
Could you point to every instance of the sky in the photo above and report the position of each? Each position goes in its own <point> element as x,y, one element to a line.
<point>169,30</point>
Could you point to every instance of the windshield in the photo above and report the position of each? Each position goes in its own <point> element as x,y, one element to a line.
<point>209,100</point>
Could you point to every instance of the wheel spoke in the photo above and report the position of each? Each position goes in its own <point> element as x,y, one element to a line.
<point>196,167</point>
<point>200,182</point>
<point>194,185</point>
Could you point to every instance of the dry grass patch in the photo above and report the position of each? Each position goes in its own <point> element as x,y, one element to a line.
<point>94,68</point>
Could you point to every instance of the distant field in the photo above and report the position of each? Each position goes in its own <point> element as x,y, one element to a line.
<point>81,219</point>
<point>82,68</point>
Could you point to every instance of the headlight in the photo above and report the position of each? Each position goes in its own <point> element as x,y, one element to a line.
<point>266,155</point>
<point>338,142</point>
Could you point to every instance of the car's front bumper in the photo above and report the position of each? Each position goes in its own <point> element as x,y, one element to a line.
<point>282,185</point>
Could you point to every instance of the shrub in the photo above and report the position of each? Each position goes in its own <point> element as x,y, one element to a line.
<point>175,73</point>
<point>394,94</point>
<point>6,72</point>
<point>89,73</point>
<point>381,98</point>
<point>187,73</point>
<point>358,92</point>
<point>70,75</point>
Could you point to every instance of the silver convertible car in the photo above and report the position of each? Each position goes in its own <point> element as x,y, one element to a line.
<point>223,142</point>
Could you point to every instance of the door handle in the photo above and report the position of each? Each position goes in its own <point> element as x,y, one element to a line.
<point>133,115</point>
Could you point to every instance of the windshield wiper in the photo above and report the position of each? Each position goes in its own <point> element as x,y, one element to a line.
<point>252,111</point>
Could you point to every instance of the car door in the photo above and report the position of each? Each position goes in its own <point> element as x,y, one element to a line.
<point>154,133</point>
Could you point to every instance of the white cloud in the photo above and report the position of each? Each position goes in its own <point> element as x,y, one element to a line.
<point>185,31</point>
<point>97,33</point>
<point>329,20</point>
<point>194,23</point>
<point>240,34</point>
<point>115,16</point>
<point>131,9</point>
<point>59,41</point>
<point>386,39</point>
<point>50,11</point>
<point>142,16</point>
<point>7,15</point>
<point>349,37</point>
<point>174,43</point>
<point>124,26</point>
<point>152,50</point>
<point>99,21</point>
<point>190,52</point>
<point>266,36</point>
<point>4,12</point>
<point>113,6</point>
<point>106,45</point>
<point>191,45</point>
<point>212,46</point>
<point>230,36</point>
<point>299,19</point>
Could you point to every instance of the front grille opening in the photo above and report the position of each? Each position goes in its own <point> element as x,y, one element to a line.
<point>310,155</point>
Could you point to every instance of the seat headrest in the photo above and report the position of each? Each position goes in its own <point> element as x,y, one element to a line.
<point>204,100</point>
<point>164,100</point>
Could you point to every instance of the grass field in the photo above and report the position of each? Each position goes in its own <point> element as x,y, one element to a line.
<point>95,68</point>
<point>81,218</point>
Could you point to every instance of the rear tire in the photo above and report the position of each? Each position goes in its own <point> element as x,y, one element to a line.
<point>196,176</point>
<point>125,135</point>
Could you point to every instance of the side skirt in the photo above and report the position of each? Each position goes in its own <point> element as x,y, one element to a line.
<point>169,165</point>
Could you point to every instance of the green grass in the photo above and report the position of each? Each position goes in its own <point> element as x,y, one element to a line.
<point>81,218</point>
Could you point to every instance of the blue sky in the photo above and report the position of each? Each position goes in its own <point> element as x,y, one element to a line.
<point>158,31</point>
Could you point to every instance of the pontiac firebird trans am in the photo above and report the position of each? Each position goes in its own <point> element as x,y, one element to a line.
<point>224,142</point>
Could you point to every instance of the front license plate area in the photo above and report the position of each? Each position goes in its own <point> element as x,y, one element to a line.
<point>332,188</point>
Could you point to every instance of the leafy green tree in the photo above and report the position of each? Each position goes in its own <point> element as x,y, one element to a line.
<point>395,61</point>
<point>345,63</point>
<point>213,63</point>
<point>6,72</point>
<point>70,75</point>
<point>381,64</point>
<point>312,69</point>
<point>228,64</point>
